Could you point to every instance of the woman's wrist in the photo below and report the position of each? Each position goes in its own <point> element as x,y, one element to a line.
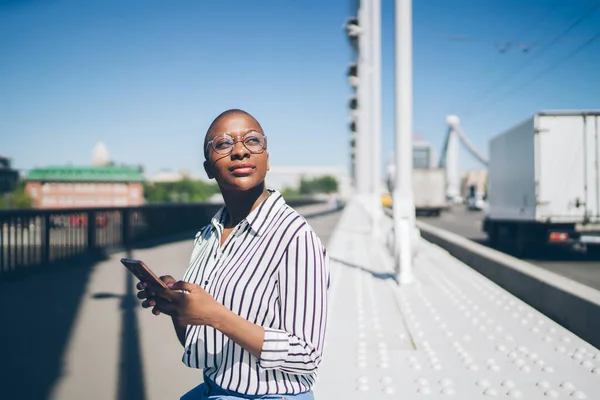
<point>219,317</point>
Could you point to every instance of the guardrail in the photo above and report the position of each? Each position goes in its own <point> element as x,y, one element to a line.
<point>30,239</point>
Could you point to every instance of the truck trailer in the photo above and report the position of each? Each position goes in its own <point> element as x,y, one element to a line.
<point>544,183</point>
<point>429,190</point>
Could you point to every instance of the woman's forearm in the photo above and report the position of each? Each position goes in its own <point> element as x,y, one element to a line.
<point>180,331</point>
<point>243,332</point>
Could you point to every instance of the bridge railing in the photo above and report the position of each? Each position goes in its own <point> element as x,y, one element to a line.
<point>30,239</point>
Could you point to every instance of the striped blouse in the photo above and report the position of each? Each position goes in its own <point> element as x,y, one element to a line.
<point>273,271</point>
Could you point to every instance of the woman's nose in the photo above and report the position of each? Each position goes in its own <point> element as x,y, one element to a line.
<point>239,149</point>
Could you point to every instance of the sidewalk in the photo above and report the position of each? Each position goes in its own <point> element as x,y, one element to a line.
<point>450,333</point>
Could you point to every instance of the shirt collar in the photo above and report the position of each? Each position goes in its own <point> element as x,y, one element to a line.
<point>257,218</point>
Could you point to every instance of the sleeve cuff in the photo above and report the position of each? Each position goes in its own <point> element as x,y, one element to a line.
<point>275,349</point>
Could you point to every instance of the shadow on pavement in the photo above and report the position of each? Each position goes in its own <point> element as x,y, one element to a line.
<point>377,275</point>
<point>38,317</point>
<point>131,369</point>
<point>39,312</point>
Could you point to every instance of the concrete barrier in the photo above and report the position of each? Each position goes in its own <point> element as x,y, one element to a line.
<point>569,303</point>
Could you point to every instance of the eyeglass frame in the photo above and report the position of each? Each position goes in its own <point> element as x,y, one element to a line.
<point>209,143</point>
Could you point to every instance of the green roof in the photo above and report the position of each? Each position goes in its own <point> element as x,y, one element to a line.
<point>110,173</point>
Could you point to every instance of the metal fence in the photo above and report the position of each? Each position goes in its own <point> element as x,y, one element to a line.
<point>30,239</point>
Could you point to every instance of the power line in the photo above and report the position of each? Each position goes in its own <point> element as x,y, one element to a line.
<point>516,38</point>
<point>552,67</point>
<point>572,26</point>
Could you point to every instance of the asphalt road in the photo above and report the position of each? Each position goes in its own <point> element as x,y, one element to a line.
<point>584,268</point>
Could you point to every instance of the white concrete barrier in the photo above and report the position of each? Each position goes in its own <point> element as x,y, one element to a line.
<point>571,304</point>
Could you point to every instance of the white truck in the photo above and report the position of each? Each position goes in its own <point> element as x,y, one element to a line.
<point>544,182</point>
<point>429,190</point>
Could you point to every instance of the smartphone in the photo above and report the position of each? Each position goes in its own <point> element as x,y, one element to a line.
<point>142,272</point>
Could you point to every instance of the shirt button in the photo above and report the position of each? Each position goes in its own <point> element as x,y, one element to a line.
<point>189,352</point>
<point>206,282</point>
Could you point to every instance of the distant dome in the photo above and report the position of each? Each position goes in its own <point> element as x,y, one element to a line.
<point>100,155</point>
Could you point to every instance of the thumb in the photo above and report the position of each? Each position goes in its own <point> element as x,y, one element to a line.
<point>181,285</point>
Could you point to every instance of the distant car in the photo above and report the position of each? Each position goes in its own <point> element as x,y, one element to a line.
<point>386,200</point>
<point>475,203</point>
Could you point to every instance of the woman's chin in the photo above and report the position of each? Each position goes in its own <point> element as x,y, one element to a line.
<point>242,184</point>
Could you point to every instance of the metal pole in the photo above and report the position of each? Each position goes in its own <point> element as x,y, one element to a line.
<point>376,113</point>
<point>366,94</point>
<point>404,208</point>
<point>361,126</point>
<point>452,167</point>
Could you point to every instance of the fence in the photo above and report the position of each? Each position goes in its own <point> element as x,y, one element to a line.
<point>30,239</point>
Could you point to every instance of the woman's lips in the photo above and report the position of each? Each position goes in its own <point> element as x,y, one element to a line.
<point>243,169</point>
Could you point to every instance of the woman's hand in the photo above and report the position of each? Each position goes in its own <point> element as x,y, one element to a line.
<point>148,291</point>
<point>193,306</point>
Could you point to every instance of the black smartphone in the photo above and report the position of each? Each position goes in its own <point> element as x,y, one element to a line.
<point>142,272</point>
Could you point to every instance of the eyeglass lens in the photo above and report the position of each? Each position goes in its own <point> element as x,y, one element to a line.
<point>253,141</point>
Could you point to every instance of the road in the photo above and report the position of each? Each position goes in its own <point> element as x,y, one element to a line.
<point>583,268</point>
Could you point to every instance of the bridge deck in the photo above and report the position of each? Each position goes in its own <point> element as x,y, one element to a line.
<point>452,332</point>
<point>80,333</point>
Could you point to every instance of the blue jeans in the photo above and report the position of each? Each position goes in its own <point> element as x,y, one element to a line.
<point>210,391</point>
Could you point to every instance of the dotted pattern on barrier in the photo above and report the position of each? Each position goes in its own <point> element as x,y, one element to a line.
<point>450,334</point>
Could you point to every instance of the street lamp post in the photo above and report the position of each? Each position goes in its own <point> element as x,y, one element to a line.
<point>403,203</point>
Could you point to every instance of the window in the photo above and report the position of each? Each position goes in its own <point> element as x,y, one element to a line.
<point>48,200</point>
<point>421,157</point>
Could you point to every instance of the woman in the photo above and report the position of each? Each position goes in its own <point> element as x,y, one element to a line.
<point>251,310</point>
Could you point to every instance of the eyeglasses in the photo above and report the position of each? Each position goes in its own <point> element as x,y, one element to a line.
<point>223,144</point>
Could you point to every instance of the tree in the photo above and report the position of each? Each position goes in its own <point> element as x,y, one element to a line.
<point>182,191</point>
<point>324,184</point>
<point>17,199</point>
<point>290,192</point>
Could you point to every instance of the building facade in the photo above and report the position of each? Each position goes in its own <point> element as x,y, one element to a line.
<point>79,187</point>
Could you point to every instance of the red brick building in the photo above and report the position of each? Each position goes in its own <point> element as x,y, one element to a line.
<point>75,187</point>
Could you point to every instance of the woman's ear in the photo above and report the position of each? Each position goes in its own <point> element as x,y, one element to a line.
<point>207,169</point>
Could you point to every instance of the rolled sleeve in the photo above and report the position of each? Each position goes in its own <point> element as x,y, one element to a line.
<point>276,346</point>
<point>303,297</point>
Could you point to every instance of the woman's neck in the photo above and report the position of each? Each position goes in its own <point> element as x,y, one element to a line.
<point>240,204</point>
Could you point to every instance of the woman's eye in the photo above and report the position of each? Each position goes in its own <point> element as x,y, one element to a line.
<point>222,144</point>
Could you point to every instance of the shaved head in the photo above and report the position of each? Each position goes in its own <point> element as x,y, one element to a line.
<point>224,115</point>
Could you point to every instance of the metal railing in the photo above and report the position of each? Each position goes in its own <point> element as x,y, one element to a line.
<point>30,239</point>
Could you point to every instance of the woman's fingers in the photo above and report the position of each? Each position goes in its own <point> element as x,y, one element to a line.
<point>148,303</point>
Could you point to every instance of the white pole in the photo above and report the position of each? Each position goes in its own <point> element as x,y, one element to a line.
<point>361,126</point>
<point>366,97</point>
<point>404,208</point>
<point>376,110</point>
<point>452,167</point>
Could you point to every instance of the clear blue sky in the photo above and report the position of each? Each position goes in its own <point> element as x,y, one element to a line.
<point>148,76</point>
